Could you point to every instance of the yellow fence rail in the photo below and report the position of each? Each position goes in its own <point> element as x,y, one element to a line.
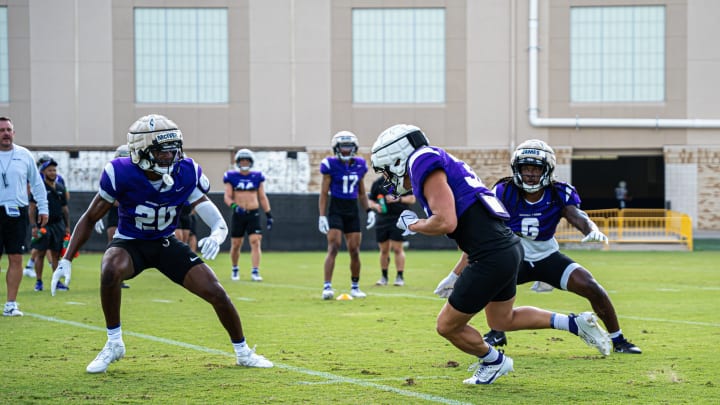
<point>635,225</point>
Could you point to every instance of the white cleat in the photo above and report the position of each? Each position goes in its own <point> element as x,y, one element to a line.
<point>256,277</point>
<point>328,294</point>
<point>251,359</point>
<point>399,282</point>
<point>488,373</point>
<point>382,281</point>
<point>11,309</point>
<point>111,352</point>
<point>235,276</point>
<point>356,293</point>
<point>29,272</point>
<point>592,333</point>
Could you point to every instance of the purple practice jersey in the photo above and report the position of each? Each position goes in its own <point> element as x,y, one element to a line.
<point>150,210</point>
<point>344,177</point>
<point>536,221</point>
<point>243,182</point>
<point>466,186</point>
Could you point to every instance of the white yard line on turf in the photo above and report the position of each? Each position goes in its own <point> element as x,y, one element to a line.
<point>328,376</point>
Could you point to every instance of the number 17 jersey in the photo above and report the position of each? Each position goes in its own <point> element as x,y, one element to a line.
<point>345,177</point>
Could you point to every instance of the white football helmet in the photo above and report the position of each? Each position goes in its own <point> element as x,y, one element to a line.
<point>122,151</point>
<point>152,134</point>
<point>244,154</point>
<point>391,152</point>
<point>345,145</point>
<point>536,153</point>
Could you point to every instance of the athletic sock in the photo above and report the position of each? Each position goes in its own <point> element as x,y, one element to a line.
<point>564,322</point>
<point>114,334</point>
<point>384,272</point>
<point>240,347</point>
<point>493,356</point>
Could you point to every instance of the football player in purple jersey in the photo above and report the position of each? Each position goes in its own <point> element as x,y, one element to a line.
<point>458,205</point>
<point>244,194</point>
<point>536,203</point>
<point>342,181</point>
<point>150,187</point>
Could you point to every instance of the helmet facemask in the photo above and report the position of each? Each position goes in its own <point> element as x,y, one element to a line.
<point>151,136</point>
<point>345,145</point>
<point>244,154</point>
<point>533,153</point>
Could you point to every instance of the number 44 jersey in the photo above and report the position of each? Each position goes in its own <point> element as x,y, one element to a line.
<point>149,209</point>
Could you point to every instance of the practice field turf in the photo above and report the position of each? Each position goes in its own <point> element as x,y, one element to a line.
<point>378,350</point>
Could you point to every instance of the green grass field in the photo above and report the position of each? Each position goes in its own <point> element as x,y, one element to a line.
<point>380,350</point>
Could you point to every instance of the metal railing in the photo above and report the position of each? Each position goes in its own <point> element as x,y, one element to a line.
<point>635,225</point>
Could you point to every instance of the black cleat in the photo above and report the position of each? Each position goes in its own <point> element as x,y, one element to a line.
<point>495,338</point>
<point>624,346</point>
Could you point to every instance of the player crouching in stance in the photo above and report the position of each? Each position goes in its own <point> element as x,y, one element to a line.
<point>458,205</point>
<point>150,188</point>
<point>536,203</point>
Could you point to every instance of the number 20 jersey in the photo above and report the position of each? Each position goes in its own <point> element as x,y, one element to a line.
<point>144,212</point>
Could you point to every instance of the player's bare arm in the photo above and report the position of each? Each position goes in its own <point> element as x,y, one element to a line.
<point>579,219</point>
<point>86,224</point>
<point>324,189</point>
<point>442,203</point>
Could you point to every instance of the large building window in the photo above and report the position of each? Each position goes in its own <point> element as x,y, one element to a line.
<point>4,56</point>
<point>181,55</point>
<point>398,55</point>
<point>617,54</point>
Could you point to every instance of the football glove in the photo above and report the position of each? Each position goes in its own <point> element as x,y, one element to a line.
<point>540,287</point>
<point>446,285</point>
<point>99,226</point>
<point>323,225</point>
<point>269,220</point>
<point>64,269</point>
<point>406,219</point>
<point>595,236</point>
<point>370,218</point>
<point>238,209</point>
<point>209,247</point>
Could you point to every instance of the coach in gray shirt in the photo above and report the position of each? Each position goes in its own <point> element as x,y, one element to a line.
<point>18,170</point>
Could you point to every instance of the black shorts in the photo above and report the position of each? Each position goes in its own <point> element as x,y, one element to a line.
<point>554,270</point>
<point>386,229</point>
<point>491,279</point>
<point>344,215</point>
<point>249,223</point>
<point>112,217</point>
<point>13,231</point>
<point>53,238</point>
<point>173,258</point>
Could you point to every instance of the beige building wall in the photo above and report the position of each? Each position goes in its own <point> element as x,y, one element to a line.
<point>72,85</point>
